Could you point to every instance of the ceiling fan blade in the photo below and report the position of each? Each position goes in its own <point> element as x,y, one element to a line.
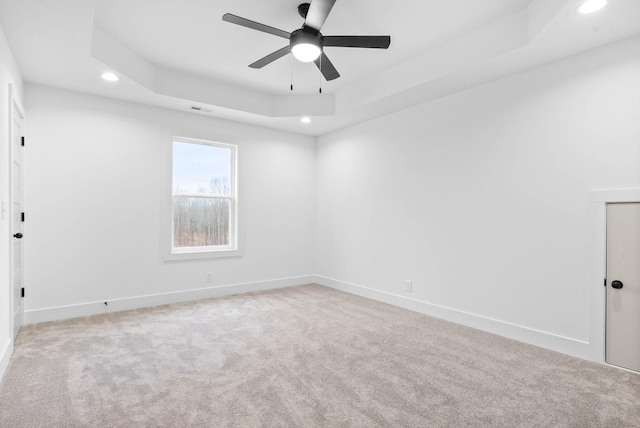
<point>255,25</point>
<point>326,67</point>
<point>376,42</point>
<point>270,58</point>
<point>318,12</point>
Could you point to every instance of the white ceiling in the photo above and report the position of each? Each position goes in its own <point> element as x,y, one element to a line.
<point>174,53</point>
<point>191,36</point>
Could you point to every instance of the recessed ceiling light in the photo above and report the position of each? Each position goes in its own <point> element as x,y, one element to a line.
<point>305,120</point>
<point>590,6</point>
<point>111,77</point>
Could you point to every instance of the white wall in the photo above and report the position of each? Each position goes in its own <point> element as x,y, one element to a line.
<point>94,194</point>
<point>482,198</point>
<point>9,74</point>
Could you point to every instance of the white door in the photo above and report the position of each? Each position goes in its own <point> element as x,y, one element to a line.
<point>623,285</point>
<point>16,256</point>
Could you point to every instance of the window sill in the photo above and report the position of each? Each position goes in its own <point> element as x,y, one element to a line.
<point>176,256</point>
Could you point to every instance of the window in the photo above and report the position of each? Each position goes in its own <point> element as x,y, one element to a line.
<point>203,200</point>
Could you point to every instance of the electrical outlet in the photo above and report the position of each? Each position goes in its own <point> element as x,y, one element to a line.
<point>209,277</point>
<point>409,286</point>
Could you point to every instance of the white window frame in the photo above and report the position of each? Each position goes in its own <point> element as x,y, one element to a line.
<point>172,253</point>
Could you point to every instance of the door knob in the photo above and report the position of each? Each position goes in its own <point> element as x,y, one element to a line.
<point>18,235</point>
<point>616,284</point>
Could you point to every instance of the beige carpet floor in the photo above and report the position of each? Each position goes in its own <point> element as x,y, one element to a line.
<point>304,356</point>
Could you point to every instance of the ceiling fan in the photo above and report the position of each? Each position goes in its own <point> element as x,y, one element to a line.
<point>307,43</point>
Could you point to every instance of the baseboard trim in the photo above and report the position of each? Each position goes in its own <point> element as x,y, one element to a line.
<point>116,305</point>
<point>528,335</point>
<point>565,345</point>
<point>5,356</point>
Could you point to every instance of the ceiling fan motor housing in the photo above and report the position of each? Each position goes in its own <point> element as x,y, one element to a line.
<point>303,8</point>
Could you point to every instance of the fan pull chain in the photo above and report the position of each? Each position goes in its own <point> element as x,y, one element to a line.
<point>320,90</point>
<point>291,62</point>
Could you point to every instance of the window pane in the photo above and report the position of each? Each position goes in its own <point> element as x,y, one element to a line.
<point>200,222</point>
<point>201,168</point>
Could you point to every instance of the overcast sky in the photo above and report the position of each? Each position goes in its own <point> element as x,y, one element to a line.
<point>194,165</point>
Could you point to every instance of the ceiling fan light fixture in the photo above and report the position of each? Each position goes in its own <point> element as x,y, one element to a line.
<point>305,46</point>
<point>590,6</point>
<point>306,52</point>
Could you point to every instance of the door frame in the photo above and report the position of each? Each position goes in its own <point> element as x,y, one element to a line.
<point>597,295</point>
<point>14,101</point>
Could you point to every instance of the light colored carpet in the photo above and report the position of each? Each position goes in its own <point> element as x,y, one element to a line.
<point>304,356</point>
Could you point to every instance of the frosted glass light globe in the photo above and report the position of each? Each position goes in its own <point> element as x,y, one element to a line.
<point>306,52</point>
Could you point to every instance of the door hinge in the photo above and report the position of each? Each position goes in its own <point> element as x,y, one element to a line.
<point>21,216</point>
<point>22,291</point>
<point>22,141</point>
<point>605,282</point>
